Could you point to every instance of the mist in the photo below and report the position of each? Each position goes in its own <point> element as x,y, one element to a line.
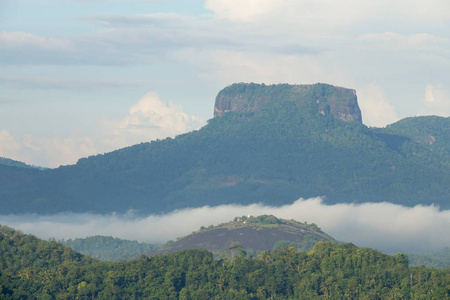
<point>384,226</point>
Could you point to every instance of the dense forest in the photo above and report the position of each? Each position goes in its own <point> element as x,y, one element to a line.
<point>276,154</point>
<point>34,269</point>
<point>114,249</point>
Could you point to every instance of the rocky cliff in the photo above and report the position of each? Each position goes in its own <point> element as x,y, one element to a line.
<point>327,99</point>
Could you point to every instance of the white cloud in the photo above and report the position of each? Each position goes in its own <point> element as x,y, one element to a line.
<point>376,110</point>
<point>429,95</point>
<point>18,40</point>
<point>385,226</point>
<point>152,38</point>
<point>149,119</point>
<point>45,151</point>
<point>436,102</point>
<point>294,69</point>
<point>309,13</point>
<point>152,111</point>
<point>129,40</point>
<point>59,83</point>
<point>61,151</point>
<point>420,41</point>
<point>241,10</point>
<point>9,145</point>
<point>319,14</point>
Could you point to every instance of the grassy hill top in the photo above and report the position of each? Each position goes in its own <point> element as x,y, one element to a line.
<point>251,234</point>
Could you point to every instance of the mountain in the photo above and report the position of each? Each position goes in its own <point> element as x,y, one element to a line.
<point>341,103</point>
<point>109,248</point>
<point>430,133</point>
<point>268,143</point>
<point>34,269</point>
<point>432,259</point>
<point>14,163</point>
<point>250,234</point>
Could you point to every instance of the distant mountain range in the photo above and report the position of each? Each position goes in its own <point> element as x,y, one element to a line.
<point>267,143</point>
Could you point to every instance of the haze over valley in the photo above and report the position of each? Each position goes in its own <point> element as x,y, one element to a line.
<point>383,226</point>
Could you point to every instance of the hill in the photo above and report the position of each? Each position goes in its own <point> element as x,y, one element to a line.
<point>14,163</point>
<point>434,259</point>
<point>250,234</point>
<point>35,269</point>
<point>109,248</point>
<point>431,133</point>
<point>269,144</point>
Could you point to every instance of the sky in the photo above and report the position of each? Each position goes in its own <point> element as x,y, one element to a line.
<point>82,77</point>
<point>384,226</point>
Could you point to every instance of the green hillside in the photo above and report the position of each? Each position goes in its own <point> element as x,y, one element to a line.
<point>109,248</point>
<point>269,144</point>
<point>35,269</point>
<point>430,133</point>
<point>251,235</point>
<point>435,259</point>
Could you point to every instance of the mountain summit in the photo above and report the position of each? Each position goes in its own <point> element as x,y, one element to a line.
<point>267,144</point>
<point>251,234</point>
<point>243,98</point>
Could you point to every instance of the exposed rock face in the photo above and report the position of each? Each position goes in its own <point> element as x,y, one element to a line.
<point>253,237</point>
<point>337,101</point>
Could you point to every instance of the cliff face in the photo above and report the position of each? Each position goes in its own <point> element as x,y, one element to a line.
<point>327,99</point>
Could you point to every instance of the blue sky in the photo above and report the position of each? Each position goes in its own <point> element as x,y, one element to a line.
<point>81,77</point>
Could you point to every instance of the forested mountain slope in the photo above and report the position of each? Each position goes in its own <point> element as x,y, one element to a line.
<point>435,259</point>
<point>109,248</point>
<point>270,144</point>
<point>9,162</point>
<point>34,269</point>
<point>431,133</point>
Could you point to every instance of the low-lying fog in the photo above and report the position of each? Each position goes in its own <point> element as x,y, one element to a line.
<point>384,226</point>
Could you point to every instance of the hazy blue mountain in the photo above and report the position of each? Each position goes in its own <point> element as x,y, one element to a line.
<point>13,163</point>
<point>270,144</point>
<point>109,248</point>
<point>429,133</point>
<point>433,259</point>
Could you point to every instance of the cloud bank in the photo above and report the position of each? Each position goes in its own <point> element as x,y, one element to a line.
<point>385,226</point>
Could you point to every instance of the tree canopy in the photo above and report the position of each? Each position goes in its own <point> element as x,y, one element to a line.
<point>35,269</point>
